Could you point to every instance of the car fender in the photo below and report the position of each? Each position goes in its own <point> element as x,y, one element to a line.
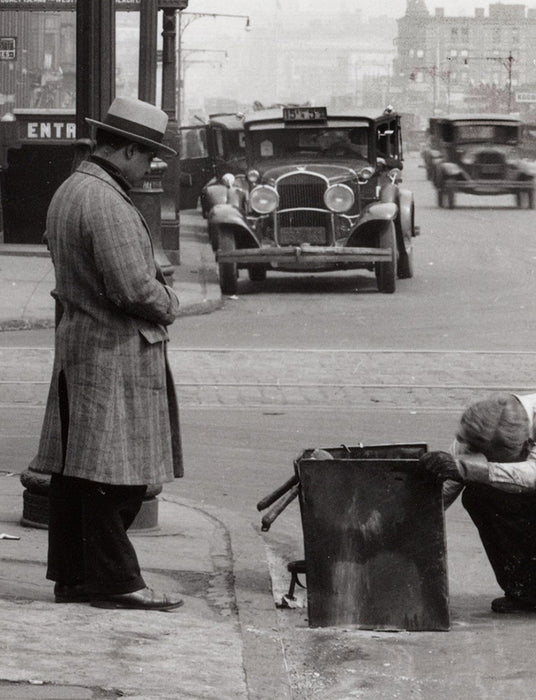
<point>374,220</point>
<point>231,218</point>
<point>216,193</point>
<point>219,193</point>
<point>403,198</point>
<point>381,211</point>
<point>406,207</point>
<point>448,170</point>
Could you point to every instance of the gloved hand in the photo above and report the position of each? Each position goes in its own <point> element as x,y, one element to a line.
<point>442,465</point>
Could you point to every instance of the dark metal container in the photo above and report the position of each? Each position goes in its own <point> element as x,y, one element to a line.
<point>374,538</point>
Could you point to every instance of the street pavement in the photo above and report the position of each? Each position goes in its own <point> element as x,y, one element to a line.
<point>229,640</point>
<point>221,644</point>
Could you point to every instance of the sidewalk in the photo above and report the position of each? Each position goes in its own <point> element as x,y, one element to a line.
<point>221,644</point>
<point>27,278</point>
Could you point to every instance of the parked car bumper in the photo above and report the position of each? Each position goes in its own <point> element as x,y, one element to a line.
<point>305,256</point>
<point>487,186</point>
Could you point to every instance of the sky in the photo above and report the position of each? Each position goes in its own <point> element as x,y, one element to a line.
<point>220,73</point>
<point>394,8</point>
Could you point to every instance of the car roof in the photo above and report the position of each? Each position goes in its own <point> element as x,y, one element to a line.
<point>229,120</point>
<point>274,117</point>
<point>478,117</point>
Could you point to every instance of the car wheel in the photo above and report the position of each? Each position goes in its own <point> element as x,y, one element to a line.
<point>405,264</point>
<point>525,198</point>
<point>386,271</point>
<point>228,271</point>
<point>405,254</point>
<point>257,274</point>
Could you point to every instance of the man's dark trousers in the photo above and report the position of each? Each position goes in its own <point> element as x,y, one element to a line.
<point>506,523</point>
<point>88,541</point>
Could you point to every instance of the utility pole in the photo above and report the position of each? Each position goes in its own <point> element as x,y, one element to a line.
<point>507,62</point>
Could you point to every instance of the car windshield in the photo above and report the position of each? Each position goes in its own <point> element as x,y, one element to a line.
<point>310,144</point>
<point>480,133</point>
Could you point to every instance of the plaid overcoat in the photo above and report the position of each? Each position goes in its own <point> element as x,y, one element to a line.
<point>112,397</point>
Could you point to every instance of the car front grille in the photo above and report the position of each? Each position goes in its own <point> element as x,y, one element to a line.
<point>301,190</point>
<point>490,166</point>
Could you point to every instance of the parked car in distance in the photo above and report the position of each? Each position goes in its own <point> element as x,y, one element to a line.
<point>323,194</point>
<point>430,149</point>
<point>208,152</point>
<point>478,154</point>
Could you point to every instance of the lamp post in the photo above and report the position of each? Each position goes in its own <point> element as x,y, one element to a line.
<point>185,19</point>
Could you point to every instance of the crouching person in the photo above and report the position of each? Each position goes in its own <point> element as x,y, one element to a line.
<point>492,462</point>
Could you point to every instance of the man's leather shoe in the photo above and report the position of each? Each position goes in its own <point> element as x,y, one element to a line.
<point>144,599</point>
<point>71,593</point>
<point>509,604</point>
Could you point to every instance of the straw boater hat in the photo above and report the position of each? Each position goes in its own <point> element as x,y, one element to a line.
<point>137,120</point>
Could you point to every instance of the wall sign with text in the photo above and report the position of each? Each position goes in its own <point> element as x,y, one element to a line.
<point>8,48</point>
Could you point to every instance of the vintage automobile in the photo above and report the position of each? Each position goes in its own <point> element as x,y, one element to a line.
<point>479,154</point>
<point>323,194</point>
<point>208,152</point>
<point>430,152</point>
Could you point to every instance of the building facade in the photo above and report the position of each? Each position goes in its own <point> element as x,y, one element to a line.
<point>484,62</point>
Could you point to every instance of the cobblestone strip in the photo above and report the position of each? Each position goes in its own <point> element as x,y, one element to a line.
<point>305,378</point>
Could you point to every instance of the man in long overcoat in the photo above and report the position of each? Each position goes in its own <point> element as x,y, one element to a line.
<point>111,422</point>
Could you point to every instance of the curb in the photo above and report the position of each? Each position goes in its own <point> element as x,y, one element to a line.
<point>263,653</point>
<point>26,324</point>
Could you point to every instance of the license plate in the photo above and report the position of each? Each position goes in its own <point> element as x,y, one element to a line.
<point>294,235</point>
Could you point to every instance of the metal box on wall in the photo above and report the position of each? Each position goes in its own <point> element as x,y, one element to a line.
<point>374,538</point>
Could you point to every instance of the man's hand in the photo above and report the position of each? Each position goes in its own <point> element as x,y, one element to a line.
<point>442,465</point>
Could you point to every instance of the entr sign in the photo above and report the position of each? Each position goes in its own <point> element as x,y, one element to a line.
<point>38,128</point>
<point>50,130</point>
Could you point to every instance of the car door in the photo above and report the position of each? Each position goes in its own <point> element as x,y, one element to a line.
<point>196,164</point>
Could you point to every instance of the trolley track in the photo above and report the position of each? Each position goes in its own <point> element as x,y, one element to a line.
<point>238,377</point>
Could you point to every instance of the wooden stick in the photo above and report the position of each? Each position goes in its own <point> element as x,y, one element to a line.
<point>279,507</point>
<point>272,497</point>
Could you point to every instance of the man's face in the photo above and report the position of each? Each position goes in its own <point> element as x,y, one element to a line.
<point>138,164</point>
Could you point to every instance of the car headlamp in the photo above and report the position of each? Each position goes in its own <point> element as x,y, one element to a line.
<point>339,198</point>
<point>365,174</point>
<point>253,176</point>
<point>264,199</point>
